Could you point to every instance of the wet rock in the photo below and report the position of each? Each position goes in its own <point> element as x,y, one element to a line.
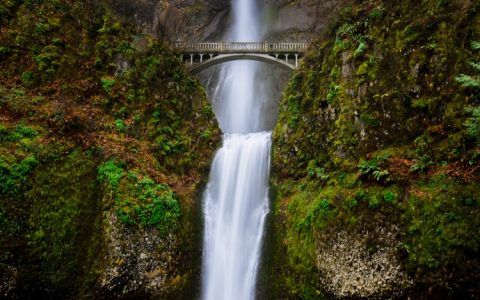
<point>133,261</point>
<point>348,67</point>
<point>350,268</point>
<point>8,280</point>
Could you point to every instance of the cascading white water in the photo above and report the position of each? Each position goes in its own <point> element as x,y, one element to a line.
<point>236,199</point>
<point>235,209</point>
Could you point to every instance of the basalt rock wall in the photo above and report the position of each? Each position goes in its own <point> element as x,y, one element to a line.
<point>208,20</point>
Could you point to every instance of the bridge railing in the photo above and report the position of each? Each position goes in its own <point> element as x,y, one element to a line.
<point>241,47</point>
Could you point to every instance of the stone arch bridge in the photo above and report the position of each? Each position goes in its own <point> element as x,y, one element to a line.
<point>201,56</point>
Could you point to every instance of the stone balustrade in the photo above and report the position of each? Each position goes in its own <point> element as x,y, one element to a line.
<point>241,47</point>
<point>202,55</point>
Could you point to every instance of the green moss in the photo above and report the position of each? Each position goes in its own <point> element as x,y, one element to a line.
<point>440,228</point>
<point>107,83</point>
<point>138,199</point>
<point>65,213</point>
<point>111,173</point>
<point>84,83</point>
<point>360,51</point>
<point>386,140</point>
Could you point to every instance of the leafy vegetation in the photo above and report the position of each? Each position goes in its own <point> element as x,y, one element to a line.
<point>372,168</point>
<point>77,89</point>
<point>472,82</point>
<point>138,199</point>
<point>388,136</point>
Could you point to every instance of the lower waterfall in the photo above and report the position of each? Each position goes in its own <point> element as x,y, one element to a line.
<point>236,203</point>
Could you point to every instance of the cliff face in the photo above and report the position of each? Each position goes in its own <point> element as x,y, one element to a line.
<point>192,20</point>
<point>104,140</point>
<point>298,21</point>
<point>377,156</point>
<point>208,20</point>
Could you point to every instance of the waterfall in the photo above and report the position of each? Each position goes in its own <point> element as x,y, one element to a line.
<point>236,198</point>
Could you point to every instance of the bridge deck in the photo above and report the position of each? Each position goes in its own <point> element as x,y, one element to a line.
<point>241,47</point>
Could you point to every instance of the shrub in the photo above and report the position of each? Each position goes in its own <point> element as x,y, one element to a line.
<point>48,59</point>
<point>320,211</point>
<point>420,165</point>
<point>5,51</point>
<point>207,134</point>
<point>332,92</point>
<point>468,81</point>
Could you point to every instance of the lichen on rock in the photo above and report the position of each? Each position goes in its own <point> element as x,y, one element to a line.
<point>350,268</point>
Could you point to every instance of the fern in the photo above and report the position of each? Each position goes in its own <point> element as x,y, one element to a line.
<point>467,81</point>
<point>368,166</point>
<point>475,45</point>
<point>475,66</point>
<point>373,168</point>
<point>473,123</point>
<point>381,174</point>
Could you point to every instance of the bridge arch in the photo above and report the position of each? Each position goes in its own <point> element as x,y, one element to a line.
<point>240,56</point>
<point>201,56</point>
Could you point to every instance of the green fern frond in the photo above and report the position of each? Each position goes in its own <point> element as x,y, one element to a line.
<point>475,65</point>
<point>476,45</point>
<point>472,123</point>
<point>468,81</point>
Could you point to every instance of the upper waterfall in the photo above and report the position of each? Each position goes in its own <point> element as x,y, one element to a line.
<point>246,22</point>
<point>240,100</point>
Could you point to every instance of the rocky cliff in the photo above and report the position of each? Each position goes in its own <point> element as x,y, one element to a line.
<point>192,20</point>
<point>104,142</point>
<point>377,157</point>
<point>208,20</point>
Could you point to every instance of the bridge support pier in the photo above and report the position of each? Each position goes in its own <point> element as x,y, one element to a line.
<point>286,57</point>
<point>191,59</point>
<point>296,60</point>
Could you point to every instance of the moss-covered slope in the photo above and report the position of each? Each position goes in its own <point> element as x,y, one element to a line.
<point>103,140</point>
<point>377,156</point>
